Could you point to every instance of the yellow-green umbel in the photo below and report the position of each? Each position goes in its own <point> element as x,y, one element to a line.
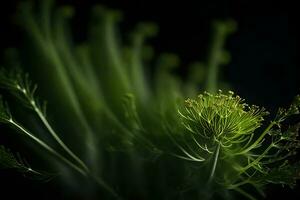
<point>218,121</point>
<point>221,118</point>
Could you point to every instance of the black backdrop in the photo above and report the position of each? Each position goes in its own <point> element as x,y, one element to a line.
<point>264,68</point>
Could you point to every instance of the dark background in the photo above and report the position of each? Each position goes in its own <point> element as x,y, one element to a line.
<point>264,68</point>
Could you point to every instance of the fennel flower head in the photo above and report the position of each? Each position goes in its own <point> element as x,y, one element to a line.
<point>221,118</point>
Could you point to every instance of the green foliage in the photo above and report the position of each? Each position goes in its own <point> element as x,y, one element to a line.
<point>5,114</point>
<point>21,86</point>
<point>224,133</point>
<point>9,161</point>
<point>112,125</point>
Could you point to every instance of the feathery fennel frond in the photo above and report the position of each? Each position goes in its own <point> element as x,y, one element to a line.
<point>20,85</point>
<point>50,45</point>
<point>130,122</point>
<point>5,115</point>
<point>23,90</point>
<point>9,161</point>
<point>24,131</point>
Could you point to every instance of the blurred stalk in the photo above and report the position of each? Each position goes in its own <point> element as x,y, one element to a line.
<point>217,56</point>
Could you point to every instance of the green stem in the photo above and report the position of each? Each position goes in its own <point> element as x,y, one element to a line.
<point>50,52</point>
<point>113,53</point>
<point>245,194</point>
<point>233,186</point>
<point>56,137</point>
<point>102,184</point>
<point>215,56</point>
<point>216,157</point>
<point>257,159</point>
<point>47,147</point>
<point>254,144</point>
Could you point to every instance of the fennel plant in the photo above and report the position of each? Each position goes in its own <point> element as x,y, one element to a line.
<point>116,133</point>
